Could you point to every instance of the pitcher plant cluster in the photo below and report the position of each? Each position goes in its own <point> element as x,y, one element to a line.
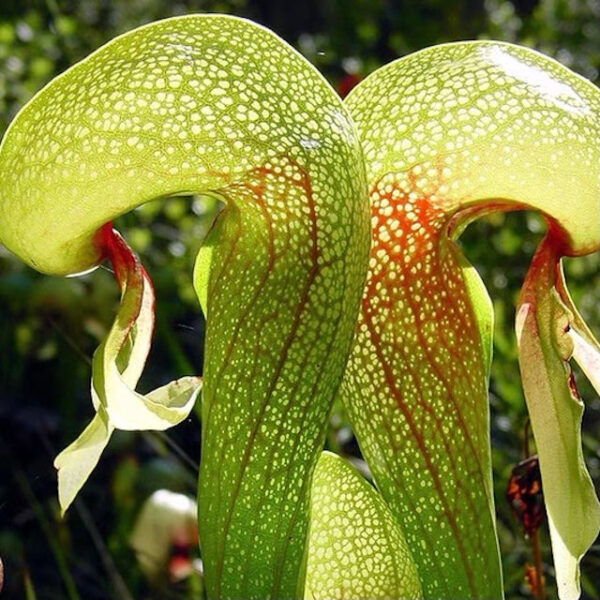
<point>332,270</point>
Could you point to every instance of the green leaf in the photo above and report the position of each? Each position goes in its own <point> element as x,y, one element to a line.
<point>77,461</point>
<point>356,549</point>
<point>214,105</point>
<point>116,368</point>
<point>586,348</point>
<point>202,264</point>
<point>587,356</point>
<point>449,134</point>
<point>483,309</point>
<point>120,359</point>
<point>555,410</point>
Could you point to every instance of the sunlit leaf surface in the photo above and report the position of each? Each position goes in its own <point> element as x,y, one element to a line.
<point>451,133</point>
<point>356,547</point>
<point>216,105</point>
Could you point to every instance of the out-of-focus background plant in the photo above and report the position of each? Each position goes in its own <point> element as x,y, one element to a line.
<point>50,327</point>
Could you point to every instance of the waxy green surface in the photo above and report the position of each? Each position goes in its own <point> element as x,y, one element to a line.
<point>221,106</point>
<point>356,548</point>
<point>450,133</point>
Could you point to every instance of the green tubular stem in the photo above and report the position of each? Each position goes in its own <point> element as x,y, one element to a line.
<point>449,133</point>
<point>217,105</point>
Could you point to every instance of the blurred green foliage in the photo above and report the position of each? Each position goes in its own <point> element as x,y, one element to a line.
<point>50,327</point>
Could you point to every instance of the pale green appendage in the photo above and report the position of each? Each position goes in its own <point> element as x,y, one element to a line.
<point>356,548</point>
<point>586,348</point>
<point>450,133</point>
<point>116,368</point>
<point>548,331</point>
<point>217,105</point>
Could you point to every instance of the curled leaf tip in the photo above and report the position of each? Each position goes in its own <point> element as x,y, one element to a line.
<point>550,332</point>
<point>116,369</point>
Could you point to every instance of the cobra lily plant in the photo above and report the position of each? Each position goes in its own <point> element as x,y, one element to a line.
<point>332,269</point>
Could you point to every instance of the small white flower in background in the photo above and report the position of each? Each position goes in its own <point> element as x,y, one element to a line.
<point>166,521</point>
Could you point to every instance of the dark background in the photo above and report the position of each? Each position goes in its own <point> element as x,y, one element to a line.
<point>49,327</point>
